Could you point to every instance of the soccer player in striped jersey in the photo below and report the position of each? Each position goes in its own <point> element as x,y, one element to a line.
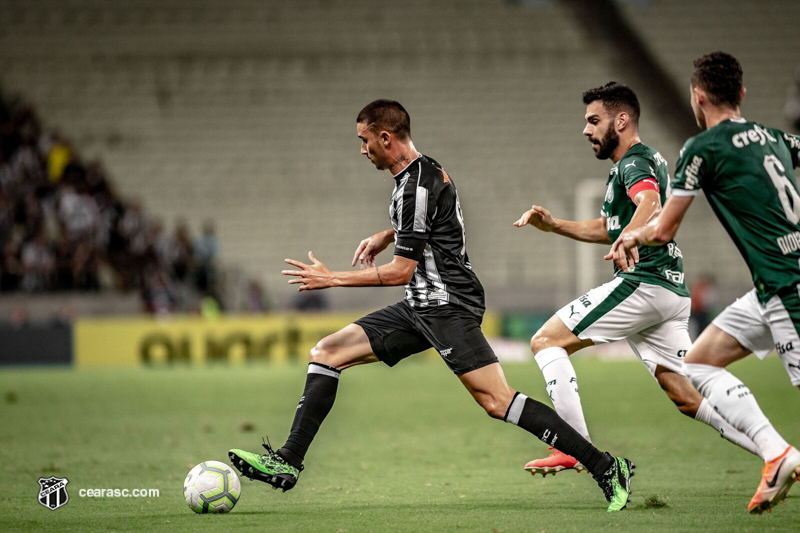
<point>443,308</point>
<point>745,169</point>
<point>648,305</point>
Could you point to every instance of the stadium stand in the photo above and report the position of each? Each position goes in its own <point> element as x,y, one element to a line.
<point>64,228</point>
<point>244,114</point>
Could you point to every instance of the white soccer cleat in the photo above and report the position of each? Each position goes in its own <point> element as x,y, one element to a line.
<point>777,477</point>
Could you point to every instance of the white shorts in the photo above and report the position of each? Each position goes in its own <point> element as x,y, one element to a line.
<point>763,328</point>
<point>653,319</point>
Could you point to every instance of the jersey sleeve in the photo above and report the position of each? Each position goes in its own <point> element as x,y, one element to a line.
<point>636,169</point>
<point>415,218</point>
<point>793,143</point>
<point>692,171</point>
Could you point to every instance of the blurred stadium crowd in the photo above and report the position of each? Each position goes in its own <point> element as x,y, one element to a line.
<point>228,130</point>
<point>63,226</point>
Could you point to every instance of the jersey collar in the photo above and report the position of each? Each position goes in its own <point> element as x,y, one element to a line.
<point>630,150</point>
<point>397,176</point>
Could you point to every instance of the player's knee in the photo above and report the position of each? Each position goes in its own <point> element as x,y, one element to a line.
<point>495,405</point>
<point>495,409</point>
<point>540,341</point>
<point>693,374</point>
<point>490,405</point>
<point>323,353</point>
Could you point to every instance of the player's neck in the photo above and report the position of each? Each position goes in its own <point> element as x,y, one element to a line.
<point>406,154</point>
<point>714,115</point>
<point>625,144</point>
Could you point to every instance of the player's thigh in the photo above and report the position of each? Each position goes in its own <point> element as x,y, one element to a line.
<point>456,334</point>
<point>490,389</point>
<point>716,348</point>
<point>782,313</point>
<point>739,330</point>
<point>393,334</point>
<point>347,347</point>
<point>666,344</point>
<point>610,312</point>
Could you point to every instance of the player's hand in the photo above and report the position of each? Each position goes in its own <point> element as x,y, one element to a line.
<point>370,248</point>
<point>310,277</point>
<point>624,252</point>
<point>538,217</point>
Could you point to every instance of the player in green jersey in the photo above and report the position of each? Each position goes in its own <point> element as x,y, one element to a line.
<point>647,305</point>
<point>745,169</point>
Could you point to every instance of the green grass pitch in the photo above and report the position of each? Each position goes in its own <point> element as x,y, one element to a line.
<point>405,449</point>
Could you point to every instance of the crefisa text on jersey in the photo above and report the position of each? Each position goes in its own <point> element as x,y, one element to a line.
<point>756,134</point>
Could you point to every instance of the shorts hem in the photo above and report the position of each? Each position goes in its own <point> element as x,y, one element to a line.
<point>678,371</point>
<point>376,344</point>
<point>761,354</point>
<point>477,366</point>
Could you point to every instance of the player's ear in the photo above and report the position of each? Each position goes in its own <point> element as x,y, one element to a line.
<point>622,121</point>
<point>385,138</point>
<point>699,95</point>
<point>744,92</point>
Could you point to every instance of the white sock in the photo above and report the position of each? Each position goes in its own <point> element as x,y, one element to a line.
<point>706,414</point>
<point>562,386</point>
<point>733,401</point>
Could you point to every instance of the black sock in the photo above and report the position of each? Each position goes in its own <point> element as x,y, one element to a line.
<point>318,397</point>
<point>545,423</point>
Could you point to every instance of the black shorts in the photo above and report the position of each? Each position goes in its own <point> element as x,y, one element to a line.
<point>398,331</point>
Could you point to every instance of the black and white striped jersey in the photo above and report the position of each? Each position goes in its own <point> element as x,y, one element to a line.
<point>429,228</point>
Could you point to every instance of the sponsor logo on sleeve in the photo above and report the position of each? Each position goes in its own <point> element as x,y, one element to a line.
<point>691,172</point>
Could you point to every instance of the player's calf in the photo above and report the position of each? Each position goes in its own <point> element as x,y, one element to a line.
<point>679,391</point>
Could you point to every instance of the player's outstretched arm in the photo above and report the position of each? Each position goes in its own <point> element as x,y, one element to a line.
<point>317,276</point>
<point>371,247</point>
<point>660,230</point>
<point>587,231</point>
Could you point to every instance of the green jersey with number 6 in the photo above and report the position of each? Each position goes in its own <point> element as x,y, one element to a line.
<point>658,265</point>
<point>745,169</point>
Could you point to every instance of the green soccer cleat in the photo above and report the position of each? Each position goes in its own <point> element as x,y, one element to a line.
<point>268,467</point>
<point>616,483</point>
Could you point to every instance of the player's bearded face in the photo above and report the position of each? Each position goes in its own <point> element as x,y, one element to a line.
<point>605,146</point>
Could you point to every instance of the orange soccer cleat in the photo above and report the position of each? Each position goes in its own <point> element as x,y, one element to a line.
<point>554,463</point>
<point>777,478</point>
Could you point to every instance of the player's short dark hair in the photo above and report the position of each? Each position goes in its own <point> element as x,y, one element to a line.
<point>386,115</point>
<point>616,97</point>
<point>720,76</point>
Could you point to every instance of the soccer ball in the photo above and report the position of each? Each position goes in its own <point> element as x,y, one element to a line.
<point>211,487</point>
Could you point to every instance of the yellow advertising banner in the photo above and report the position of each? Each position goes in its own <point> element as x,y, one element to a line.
<point>197,341</point>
